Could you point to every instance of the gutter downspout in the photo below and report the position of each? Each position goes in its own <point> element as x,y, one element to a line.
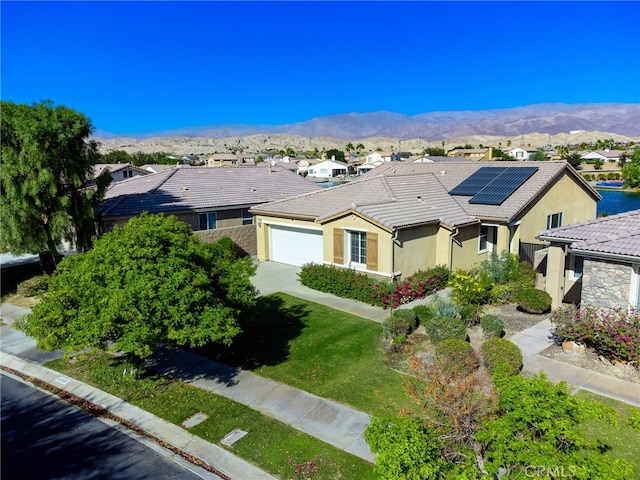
<point>452,236</point>
<point>394,238</point>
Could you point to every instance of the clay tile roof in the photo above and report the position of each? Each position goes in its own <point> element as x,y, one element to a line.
<point>201,188</point>
<point>616,235</point>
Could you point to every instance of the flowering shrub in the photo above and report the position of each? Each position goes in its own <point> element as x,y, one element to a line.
<point>348,283</point>
<point>470,287</point>
<point>615,334</point>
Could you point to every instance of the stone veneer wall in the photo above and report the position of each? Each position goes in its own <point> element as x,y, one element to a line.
<point>244,236</point>
<point>606,284</point>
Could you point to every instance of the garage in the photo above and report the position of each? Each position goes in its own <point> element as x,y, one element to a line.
<point>295,246</point>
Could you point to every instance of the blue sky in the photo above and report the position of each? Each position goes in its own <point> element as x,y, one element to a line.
<point>147,66</point>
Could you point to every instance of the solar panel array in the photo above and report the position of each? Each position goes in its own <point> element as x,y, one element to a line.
<point>477,181</point>
<point>493,185</point>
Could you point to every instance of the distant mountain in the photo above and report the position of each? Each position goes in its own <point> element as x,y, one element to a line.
<point>548,118</point>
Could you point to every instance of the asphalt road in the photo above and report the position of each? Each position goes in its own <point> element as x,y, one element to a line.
<point>46,438</point>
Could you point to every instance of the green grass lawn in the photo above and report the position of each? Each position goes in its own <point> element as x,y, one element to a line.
<point>271,445</point>
<point>326,352</point>
<point>621,440</point>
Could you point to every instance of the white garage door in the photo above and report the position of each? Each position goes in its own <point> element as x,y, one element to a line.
<point>295,246</point>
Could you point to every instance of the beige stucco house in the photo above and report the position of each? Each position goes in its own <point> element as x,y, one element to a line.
<point>215,202</point>
<point>593,263</point>
<point>404,217</point>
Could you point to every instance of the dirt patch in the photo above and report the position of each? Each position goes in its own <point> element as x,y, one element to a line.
<point>514,320</point>
<point>20,301</point>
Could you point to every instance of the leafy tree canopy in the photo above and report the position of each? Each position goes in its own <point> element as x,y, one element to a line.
<point>631,169</point>
<point>159,158</point>
<point>434,151</point>
<point>47,169</point>
<point>339,154</point>
<point>146,282</point>
<point>539,156</point>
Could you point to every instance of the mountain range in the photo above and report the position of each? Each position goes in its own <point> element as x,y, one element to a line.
<point>548,118</point>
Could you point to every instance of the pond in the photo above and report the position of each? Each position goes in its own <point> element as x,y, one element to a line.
<point>615,201</point>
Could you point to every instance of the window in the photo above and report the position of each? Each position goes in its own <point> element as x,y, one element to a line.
<point>519,154</point>
<point>247,217</point>
<point>554,220</point>
<point>208,221</point>
<point>576,266</point>
<point>127,174</point>
<point>488,236</point>
<point>358,247</point>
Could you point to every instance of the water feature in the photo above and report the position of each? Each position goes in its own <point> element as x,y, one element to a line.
<point>615,201</point>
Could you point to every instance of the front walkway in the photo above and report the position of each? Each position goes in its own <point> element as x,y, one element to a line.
<point>535,339</point>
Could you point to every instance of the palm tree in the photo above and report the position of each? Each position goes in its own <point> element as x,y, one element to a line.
<point>359,148</point>
<point>349,148</point>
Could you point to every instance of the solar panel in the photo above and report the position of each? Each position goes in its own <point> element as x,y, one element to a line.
<point>477,181</point>
<point>503,186</point>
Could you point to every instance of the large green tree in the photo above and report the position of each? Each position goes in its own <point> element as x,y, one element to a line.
<point>338,154</point>
<point>631,169</point>
<point>146,282</point>
<point>47,191</point>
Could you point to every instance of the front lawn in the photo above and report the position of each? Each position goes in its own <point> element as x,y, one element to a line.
<point>323,351</point>
<point>621,441</point>
<point>271,445</point>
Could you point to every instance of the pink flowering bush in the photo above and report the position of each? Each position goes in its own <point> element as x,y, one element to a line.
<point>615,334</point>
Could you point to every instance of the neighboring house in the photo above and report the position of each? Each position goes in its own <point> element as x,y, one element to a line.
<point>327,169</point>
<point>380,157</point>
<point>367,167</point>
<point>119,171</point>
<point>215,202</point>
<point>230,160</point>
<point>521,153</point>
<point>439,158</point>
<point>594,263</point>
<point>472,153</point>
<point>402,217</point>
<point>604,155</point>
<point>157,167</point>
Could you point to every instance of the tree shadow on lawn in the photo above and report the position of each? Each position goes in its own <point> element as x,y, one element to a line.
<point>265,335</point>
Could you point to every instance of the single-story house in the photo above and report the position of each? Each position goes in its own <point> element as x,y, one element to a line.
<point>595,263</point>
<point>521,153</point>
<point>215,202</point>
<point>230,160</point>
<point>327,169</point>
<point>472,153</point>
<point>605,155</point>
<point>403,217</point>
<point>119,171</point>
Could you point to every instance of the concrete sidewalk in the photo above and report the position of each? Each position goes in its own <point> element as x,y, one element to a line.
<point>535,339</point>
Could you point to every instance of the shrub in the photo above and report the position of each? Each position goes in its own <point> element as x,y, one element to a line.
<point>444,328</point>
<point>346,283</point>
<point>492,326</point>
<point>615,334</point>
<point>457,357</point>
<point>398,325</point>
<point>588,177</point>
<point>34,286</point>
<point>470,286</point>
<point>501,354</point>
<point>419,285</point>
<point>532,300</point>
<point>408,316</point>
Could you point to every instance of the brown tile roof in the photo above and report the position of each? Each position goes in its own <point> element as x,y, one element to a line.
<point>616,235</point>
<point>202,188</point>
<point>393,202</point>
<point>453,173</point>
<point>398,195</point>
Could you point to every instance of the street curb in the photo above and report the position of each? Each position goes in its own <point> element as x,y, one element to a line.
<point>199,452</point>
